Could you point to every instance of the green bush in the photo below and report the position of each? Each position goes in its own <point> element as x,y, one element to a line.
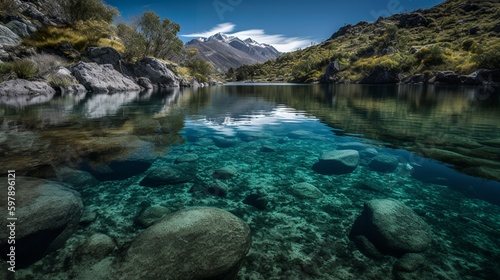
<point>489,59</point>
<point>57,80</point>
<point>24,68</point>
<point>5,71</point>
<point>432,56</point>
<point>84,10</point>
<point>469,45</point>
<point>8,8</point>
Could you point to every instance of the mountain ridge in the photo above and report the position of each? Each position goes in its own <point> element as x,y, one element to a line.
<point>457,36</point>
<point>225,51</point>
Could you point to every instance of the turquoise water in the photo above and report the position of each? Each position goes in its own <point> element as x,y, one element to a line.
<point>259,140</point>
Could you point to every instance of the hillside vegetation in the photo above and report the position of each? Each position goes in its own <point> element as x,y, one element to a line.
<point>457,35</point>
<point>61,31</point>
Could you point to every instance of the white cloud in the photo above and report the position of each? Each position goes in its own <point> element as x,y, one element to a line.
<point>279,41</point>
<point>220,28</point>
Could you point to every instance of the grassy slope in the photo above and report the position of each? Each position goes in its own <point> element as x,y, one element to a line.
<point>361,48</point>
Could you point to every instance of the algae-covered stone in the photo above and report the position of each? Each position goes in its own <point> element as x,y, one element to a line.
<point>198,243</point>
<point>306,190</point>
<point>337,162</point>
<point>384,163</point>
<point>392,227</point>
<point>189,157</point>
<point>50,214</point>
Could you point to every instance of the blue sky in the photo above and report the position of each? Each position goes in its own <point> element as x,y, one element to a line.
<point>287,25</point>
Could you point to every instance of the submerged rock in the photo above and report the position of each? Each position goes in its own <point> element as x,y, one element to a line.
<point>50,214</point>
<point>190,157</point>
<point>305,190</point>
<point>198,243</point>
<point>151,215</point>
<point>249,136</point>
<point>337,162</point>
<point>384,163</point>
<point>257,200</point>
<point>409,262</point>
<point>226,172</point>
<point>96,247</point>
<point>392,227</point>
<point>169,175</point>
<point>223,142</point>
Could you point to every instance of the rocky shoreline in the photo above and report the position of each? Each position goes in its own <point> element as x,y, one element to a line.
<point>105,74</point>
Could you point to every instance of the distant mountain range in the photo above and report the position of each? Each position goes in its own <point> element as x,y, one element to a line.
<point>226,52</point>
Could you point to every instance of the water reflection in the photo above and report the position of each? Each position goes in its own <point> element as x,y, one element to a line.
<point>22,101</point>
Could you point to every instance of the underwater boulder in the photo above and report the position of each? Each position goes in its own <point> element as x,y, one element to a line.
<point>305,190</point>
<point>384,163</point>
<point>392,227</point>
<point>189,157</point>
<point>223,142</point>
<point>167,175</point>
<point>226,172</point>
<point>48,213</point>
<point>258,200</point>
<point>196,243</point>
<point>337,162</point>
<point>151,215</point>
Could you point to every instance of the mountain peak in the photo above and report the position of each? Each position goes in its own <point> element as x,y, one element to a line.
<point>226,51</point>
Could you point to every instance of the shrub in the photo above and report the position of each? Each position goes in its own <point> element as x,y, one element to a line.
<point>432,56</point>
<point>489,59</point>
<point>5,71</point>
<point>47,62</point>
<point>83,10</point>
<point>59,80</point>
<point>469,45</point>
<point>24,68</point>
<point>8,8</point>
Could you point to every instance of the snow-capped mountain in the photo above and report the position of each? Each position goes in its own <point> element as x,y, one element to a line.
<point>225,51</point>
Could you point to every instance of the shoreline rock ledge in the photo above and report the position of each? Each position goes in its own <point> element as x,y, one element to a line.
<point>195,243</point>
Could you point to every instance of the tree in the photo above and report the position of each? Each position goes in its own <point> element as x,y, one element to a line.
<point>160,36</point>
<point>83,10</point>
<point>133,41</point>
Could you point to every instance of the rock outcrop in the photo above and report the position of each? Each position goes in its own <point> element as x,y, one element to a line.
<point>104,55</point>
<point>102,78</point>
<point>48,215</point>
<point>392,227</point>
<point>157,72</point>
<point>21,92</point>
<point>198,243</point>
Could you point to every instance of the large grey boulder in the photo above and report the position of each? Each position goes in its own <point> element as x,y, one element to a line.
<point>198,243</point>
<point>48,214</point>
<point>104,55</point>
<point>102,78</point>
<point>392,227</point>
<point>157,72</point>
<point>19,92</point>
<point>18,87</point>
<point>8,38</point>
<point>337,162</point>
<point>384,163</point>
